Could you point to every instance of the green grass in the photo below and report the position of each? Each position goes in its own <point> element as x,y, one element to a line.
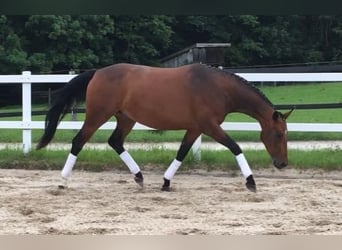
<point>289,94</point>
<point>159,160</point>
<point>304,93</point>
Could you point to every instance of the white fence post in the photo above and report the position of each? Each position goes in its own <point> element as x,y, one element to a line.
<point>26,109</point>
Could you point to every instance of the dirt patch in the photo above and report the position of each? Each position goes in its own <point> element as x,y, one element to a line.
<point>202,203</point>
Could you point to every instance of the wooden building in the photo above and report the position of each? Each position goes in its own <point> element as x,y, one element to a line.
<point>206,53</point>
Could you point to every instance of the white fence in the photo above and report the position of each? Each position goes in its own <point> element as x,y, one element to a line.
<point>26,125</point>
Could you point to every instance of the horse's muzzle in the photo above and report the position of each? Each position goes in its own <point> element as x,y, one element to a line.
<point>279,164</point>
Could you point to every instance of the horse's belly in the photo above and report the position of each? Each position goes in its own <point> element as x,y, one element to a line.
<point>162,120</point>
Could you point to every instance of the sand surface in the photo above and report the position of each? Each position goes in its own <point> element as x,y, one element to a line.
<point>210,203</point>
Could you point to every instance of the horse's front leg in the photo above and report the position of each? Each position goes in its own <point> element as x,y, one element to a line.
<point>220,136</point>
<point>242,162</point>
<point>187,142</point>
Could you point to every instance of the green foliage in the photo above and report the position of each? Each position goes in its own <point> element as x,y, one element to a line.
<point>47,43</point>
<point>77,42</point>
<point>12,56</point>
<point>140,39</point>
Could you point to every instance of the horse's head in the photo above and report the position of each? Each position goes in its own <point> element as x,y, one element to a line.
<point>274,136</point>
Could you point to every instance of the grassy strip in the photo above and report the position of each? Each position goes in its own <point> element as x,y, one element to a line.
<point>304,93</point>
<point>94,160</point>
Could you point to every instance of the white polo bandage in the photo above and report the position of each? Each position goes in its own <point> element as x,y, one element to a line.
<point>68,166</point>
<point>130,162</point>
<point>172,169</point>
<point>243,164</point>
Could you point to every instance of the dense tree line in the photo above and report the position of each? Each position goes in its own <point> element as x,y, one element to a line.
<point>52,43</point>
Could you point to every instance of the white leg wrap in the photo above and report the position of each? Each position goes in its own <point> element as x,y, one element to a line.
<point>172,169</point>
<point>68,166</point>
<point>243,164</point>
<point>130,162</point>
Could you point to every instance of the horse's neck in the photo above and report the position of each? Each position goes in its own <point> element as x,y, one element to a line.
<point>255,106</point>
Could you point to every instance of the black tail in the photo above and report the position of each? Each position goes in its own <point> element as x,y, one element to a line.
<point>63,100</point>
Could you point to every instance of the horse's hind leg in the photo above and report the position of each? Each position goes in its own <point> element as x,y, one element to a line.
<point>187,142</point>
<point>116,140</point>
<point>87,130</point>
<point>218,134</point>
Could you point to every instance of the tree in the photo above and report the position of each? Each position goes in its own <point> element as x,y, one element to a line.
<point>141,39</point>
<point>54,43</point>
<point>13,59</point>
<point>65,42</point>
<point>188,30</point>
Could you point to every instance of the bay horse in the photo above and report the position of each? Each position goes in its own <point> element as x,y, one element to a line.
<point>195,98</point>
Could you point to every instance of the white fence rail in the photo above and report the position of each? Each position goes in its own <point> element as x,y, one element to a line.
<point>26,125</point>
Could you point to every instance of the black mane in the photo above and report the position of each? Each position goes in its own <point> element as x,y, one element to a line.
<point>244,81</point>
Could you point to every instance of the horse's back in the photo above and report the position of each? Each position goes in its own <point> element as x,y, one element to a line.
<point>163,98</point>
<point>138,73</point>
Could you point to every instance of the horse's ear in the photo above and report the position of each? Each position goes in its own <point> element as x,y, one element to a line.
<point>287,114</point>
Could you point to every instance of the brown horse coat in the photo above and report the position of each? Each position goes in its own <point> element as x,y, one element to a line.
<point>195,98</point>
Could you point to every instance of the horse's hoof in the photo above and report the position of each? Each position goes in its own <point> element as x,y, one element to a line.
<point>250,184</point>
<point>166,189</point>
<point>139,181</point>
<point>64,184</point>
<point>251,187</point>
